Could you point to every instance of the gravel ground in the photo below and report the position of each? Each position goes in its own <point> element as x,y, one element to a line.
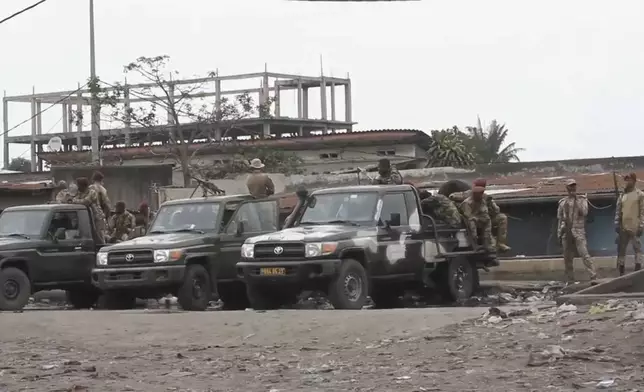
<point>431,349</point>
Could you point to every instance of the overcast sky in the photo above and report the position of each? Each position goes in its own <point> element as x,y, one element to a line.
<point>567,77</point>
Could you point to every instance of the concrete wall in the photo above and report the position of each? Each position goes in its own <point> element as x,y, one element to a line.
<point>129,184</point>
<point>20,198</point>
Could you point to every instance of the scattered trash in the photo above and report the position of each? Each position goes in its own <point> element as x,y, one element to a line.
<point>605,384</point>
<point>566,308</point>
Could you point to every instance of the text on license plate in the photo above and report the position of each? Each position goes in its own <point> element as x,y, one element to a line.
<point>272,271</point>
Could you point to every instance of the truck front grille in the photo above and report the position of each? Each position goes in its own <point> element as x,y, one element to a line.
<point>130,257</point>
<point>289,250</point>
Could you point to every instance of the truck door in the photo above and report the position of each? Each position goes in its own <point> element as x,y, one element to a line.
<point>68,257</point>
<point>258,217</point>
<point>394,244</point>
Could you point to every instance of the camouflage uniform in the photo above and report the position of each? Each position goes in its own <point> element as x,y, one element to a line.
<point>121,226</point>
<point>103,200</point>
<point>499,219</point>
<point>63,196</point>
<point>571,214</point>
<point>90,198</point>
<point>477,218</point>
<point>629,226</point>
<point>444,209</point>
<point>393,178</point>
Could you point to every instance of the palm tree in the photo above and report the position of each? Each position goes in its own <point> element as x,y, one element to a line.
<point>448,148</point>
<point>488,144</point>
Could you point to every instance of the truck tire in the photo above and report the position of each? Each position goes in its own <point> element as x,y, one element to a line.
<point>196,291</point>
<point>349,288</point>
<point>459,280</point>
<point>15,289</point>
<point>268,298</point>
<point>116,300</point>
<point>82,298</point>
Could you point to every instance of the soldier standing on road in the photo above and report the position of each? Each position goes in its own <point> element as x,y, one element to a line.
<point>387,175</point>
<point>101,192</point>
<point>259,183</point>
<point>87,195</point>
<point>571,231</point>
<point>62,194</point>
<point>121,224</point>
<point>629,222</point>
<point>477,216</point>
<point>499,219</point>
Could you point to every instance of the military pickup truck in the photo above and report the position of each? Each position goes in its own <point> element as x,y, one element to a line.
<point>190,250</point>
<point>352,242</point>
<point>46,247</point>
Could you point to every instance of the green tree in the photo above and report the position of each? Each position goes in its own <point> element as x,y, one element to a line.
<point>489,144</point>
<point>19,164</point>
<point>182,105</point>
<point>449,147</point>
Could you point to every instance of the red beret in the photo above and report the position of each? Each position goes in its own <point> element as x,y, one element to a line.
<point>480,182</point>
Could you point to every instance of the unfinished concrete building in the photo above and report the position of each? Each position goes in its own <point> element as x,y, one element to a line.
<point>125,140</point>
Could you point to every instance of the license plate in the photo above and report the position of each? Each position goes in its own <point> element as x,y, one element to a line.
<point>272,271</point>
<point>125,277</point>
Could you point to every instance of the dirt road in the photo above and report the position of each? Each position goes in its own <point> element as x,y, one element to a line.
<point>323,350</point>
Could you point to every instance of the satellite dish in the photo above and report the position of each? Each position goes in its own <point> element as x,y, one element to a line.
<point>55,144</point>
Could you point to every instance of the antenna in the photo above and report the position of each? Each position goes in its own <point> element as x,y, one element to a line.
<point>321,66</point>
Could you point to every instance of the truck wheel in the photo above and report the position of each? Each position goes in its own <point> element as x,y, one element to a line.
<point>349,288</point>
<point>82,298</point>
<point>16,289</point>
<point>459,279</point>
<point>116,300</point>
<point>195,292</point>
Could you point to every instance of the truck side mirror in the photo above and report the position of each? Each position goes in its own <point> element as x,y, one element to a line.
<point>394,220</point>
<point>240,228</point>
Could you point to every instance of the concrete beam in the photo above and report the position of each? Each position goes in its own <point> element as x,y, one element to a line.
<point>590,299</point>
<point>5,127</point>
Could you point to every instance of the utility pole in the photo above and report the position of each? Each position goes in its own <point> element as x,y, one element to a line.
<point>94,101</point>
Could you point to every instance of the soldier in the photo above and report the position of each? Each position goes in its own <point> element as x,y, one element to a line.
<point>259,183</point>
<point>571,214</point>
<point>477,218</point>
<point>87,195</point>
<point>146,215</point>
<point>387,175</point>
<point>62,196</point>
<point>444,209</point>
<point>101,192</point>
<point>121,224</point>
<point>629,222</point>
<point>499,219</point>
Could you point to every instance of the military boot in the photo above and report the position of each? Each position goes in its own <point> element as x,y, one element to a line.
<point>503,247</point>
<point>622,270</point>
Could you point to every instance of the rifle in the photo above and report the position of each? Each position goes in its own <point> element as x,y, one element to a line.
<point>207,187</point>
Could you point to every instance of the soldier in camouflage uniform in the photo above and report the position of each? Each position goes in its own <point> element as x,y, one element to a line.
<point>571,231</point>
<point>63,195</point>
<point>87,195</point>
<point>121,224</point>
<point>629,222</point>
<point>499,219</point>
<point>386,174</point>
<point>101,192</point>
<point>477,218</point>
<point>444,209</point>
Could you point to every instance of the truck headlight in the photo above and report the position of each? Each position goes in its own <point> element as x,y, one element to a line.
<point>248,251</point>
<point>167,255</point>
<point>101,258</point>
<point>315,249</point>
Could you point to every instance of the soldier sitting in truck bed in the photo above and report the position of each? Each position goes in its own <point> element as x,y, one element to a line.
<point>441,208</point>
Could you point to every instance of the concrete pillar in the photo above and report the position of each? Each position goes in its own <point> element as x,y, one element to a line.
<point>65,118</point>
<point>218,101</point>
<point>217,134</point>
<point>305,102</point>
<point>34,132</point>
<point>300,94</point>
<point>170,105</point>
<point>301,131</point>
<point>265,95</point>
<point>277,99</point>
<point>39,131</point>
<point>128,119</point>
<point>332,101</point>
<point>79,124</point>
<point>5,127</point>
<point>347,102</point>
<point>266,130</point>
<point>323,98</point>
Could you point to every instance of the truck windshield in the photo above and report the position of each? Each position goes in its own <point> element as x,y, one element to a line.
<point>186,217</point>
<point>356,208</point>
<point>22,223</point>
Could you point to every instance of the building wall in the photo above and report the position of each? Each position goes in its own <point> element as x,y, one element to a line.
<point>314,162</point>
<point>532,229</point>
